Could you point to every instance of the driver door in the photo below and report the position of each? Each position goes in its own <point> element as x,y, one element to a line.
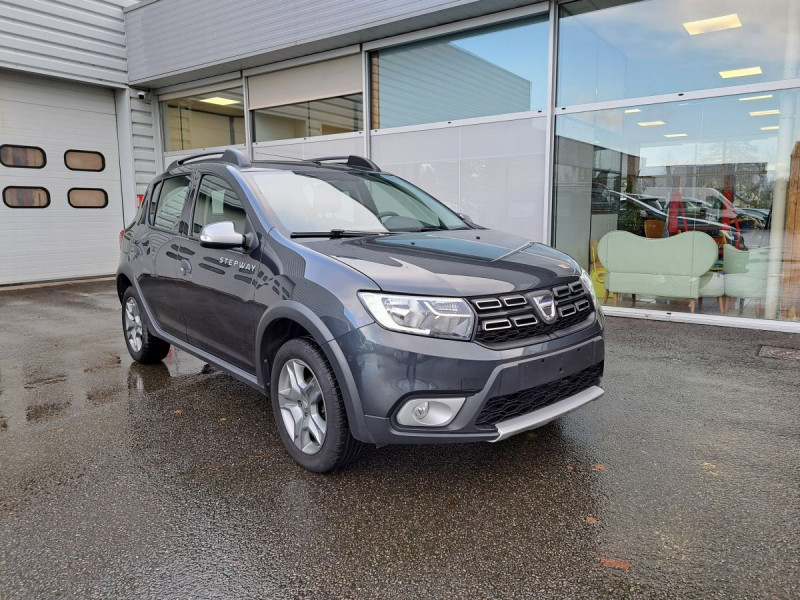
<point>221,315</point>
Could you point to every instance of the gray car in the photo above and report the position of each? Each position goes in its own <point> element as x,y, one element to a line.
<point>368,311</point>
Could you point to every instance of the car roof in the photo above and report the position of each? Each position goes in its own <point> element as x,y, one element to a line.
<point>233,157</point>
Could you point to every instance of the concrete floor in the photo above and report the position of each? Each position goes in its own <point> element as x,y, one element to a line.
<point>120,480</point>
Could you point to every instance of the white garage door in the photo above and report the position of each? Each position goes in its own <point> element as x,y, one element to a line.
<point>61,206</point>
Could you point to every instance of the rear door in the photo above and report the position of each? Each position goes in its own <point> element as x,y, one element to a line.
<point>221,315</point>
<point>161,281</point>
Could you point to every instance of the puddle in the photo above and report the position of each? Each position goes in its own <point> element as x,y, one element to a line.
<point>34,383</point>
<point>42,412</point>
<point>779,353</point>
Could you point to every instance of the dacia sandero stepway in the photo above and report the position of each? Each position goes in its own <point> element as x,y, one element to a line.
<point>368,311</point>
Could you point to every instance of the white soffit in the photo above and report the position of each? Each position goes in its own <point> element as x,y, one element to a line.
<point>327,79</point>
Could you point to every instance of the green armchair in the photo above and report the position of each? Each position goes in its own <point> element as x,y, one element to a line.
<point>745,274</point>
<point>675,267</point>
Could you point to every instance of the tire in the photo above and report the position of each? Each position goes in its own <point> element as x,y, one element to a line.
<point>311,419</point>
<point>142,345</point>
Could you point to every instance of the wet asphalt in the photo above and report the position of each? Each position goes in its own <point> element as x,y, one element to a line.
<point>125,481</point>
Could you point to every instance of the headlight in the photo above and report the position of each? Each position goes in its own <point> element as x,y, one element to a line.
<point>437,317</point>
<point>586,279</point>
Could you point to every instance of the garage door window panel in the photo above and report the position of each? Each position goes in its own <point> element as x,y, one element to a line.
<point>87,198</point>
<point>22,157</point>
<point>171,200</point>
<point>217,202</point>
<point>84,160</point>
<point>26,197</point>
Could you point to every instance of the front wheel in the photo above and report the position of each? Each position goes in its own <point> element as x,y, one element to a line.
<point>142,345</point>
<point>308,408</point>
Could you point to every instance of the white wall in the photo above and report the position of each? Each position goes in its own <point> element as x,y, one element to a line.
<point>331,145</point>
<point>494,172</point>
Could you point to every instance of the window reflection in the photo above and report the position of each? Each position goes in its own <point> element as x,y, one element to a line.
<point>493,71</point>
<point>718,167</point>
<point>650,47</point>
<point>205,120</point>
<point>307,119</point>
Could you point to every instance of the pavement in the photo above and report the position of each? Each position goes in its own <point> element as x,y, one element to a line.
<point>119,480</point>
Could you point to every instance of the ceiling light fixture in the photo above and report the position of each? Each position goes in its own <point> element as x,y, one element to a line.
<point>220,101</point>
<point>713,24</point>
<point>651,123</point>
<point>630,111</point>
<point>764,113</point>
<point>740,72</point>
<point>764,97</point>
<point>675,135</point>
<point>770,128</point>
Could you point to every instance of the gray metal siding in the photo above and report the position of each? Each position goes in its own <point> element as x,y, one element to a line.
<point>83,40</point>
<point>166,38</point>
<point>145,143</point>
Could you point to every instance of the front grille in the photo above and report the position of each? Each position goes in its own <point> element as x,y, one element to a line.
<point>513,317</point>
<point>500,408</point>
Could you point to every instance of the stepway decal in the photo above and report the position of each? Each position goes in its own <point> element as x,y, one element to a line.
<point>237,264</point>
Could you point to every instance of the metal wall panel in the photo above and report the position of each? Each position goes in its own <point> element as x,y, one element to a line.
<point>59,241</point>
<point>167,41</point>
<point>336,145</point>
<point>145,144</point>
<point>492,171</point>
<point>82,40</point>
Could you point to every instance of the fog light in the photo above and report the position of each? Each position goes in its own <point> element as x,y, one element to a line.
<point>429,412</point>
<point>421,411</point>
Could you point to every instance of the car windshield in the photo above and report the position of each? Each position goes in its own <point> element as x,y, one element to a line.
<point>324,200</point>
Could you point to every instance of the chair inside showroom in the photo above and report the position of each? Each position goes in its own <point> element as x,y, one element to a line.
<point>745,275</point>
<point>653,228</point>
<point>597,270</point>
<point>674,267</point>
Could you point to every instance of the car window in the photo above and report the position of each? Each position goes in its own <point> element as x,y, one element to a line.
<point>309,201</point>
<point>216,201</point>
<point>392,201</point>
<point>165,213</point>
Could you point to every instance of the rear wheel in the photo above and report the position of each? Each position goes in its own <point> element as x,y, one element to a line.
<point>309,410</point>
<point>142,345</point>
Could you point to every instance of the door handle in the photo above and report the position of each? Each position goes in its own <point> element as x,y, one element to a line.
<point>185,267</point>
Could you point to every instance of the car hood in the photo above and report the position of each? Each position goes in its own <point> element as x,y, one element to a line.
<point>452,263</point>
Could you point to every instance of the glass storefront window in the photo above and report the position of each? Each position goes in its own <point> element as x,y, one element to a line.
<point>307,119</point>
<point>492,71</point>
<point>643,48</point>
<point>668,204</point>
<point>207,120</point>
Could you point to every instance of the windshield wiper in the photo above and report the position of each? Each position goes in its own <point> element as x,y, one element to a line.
<point>431,228</point>
<point>335,233</point>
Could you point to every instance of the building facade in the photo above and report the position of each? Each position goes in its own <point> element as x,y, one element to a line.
<point>607,128</point>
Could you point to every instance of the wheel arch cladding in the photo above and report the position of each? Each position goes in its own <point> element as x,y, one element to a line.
<point>123,283</point>
<point>296,320</point>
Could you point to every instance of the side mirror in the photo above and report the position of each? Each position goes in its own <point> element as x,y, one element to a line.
<point>467,219</point>
<point>221,235</point>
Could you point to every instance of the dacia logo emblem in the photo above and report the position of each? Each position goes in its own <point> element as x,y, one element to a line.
<point>545,305</point>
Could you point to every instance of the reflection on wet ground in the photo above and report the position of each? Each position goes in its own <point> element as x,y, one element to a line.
<point>125,480</point>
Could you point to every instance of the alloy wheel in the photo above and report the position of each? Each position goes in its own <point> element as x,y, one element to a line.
<point>133,324</point>
<point>302,406</point>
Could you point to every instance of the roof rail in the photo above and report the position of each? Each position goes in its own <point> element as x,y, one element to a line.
<point>229,155</point>
<point>353,160</point>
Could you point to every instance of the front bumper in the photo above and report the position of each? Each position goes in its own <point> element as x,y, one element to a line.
<point>390,368</point>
